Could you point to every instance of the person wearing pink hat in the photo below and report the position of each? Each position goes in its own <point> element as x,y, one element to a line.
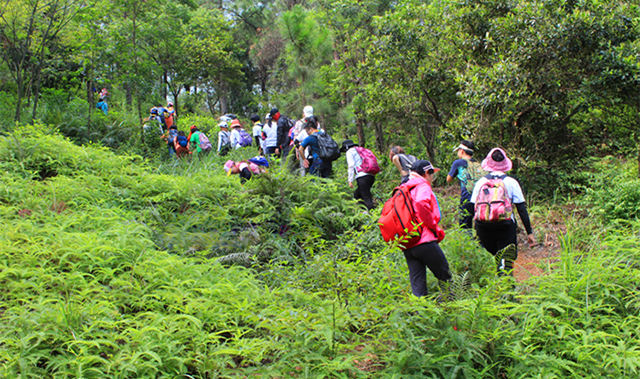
<point>493,198</point>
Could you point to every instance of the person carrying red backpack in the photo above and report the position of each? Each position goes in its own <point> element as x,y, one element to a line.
<point>423,250</point>
<point>362,166</point>
<point>493,199</point>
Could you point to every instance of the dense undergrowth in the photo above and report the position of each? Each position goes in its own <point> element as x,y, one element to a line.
<point>112,266</point>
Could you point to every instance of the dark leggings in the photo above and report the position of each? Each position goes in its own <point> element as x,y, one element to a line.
<point>245,175</point>
<point>419,257</point>
<point>495,236</point>
<point>363,192</point>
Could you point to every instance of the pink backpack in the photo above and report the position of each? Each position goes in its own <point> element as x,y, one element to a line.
<point>204,142</point>
<point>369,161</point>
<point>492,203</point>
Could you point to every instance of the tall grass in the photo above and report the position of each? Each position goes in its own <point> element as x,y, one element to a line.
<point>114,266</point>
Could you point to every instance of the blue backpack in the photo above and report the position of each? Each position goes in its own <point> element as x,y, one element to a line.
<point>182,141</point>
<point>260,161</point>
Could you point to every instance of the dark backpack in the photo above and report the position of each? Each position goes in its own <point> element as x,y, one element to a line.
<point>328,148</point>
<point>398,220</point>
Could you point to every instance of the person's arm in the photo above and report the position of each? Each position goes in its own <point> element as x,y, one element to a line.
<point>351,165</point>
<point>526,222</point>
<point>396,162</point>
<point>219,141</point>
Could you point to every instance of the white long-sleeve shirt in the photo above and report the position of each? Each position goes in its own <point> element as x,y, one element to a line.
<point>235,139</point>
<point>353,162</point>
<point>270,129</point>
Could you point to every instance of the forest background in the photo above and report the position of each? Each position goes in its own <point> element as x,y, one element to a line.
<point>113,257</point>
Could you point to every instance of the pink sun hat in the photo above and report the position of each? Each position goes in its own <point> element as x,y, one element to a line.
<point>497,164</point>
<point>228,164</point>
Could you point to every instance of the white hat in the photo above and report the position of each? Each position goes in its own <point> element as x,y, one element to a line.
<point>307,111</point>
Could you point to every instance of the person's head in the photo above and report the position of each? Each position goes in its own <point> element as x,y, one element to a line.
<point>223,125</point>
<point>193,128</point>
<point>181,133</point>
<point>497,160</point>
<point>236,124</point>
<point>310,123</point>
<point>347,144</point>
<point>153,111</point>
<point>173,127</point>
<point>169,104</point>
<point>424,169</point>
<point>307,111</point>
<point>230,167</point>
<point>254,118</point>
<point>274,113</point>
<point>394,150</point>
<point>465,149</point>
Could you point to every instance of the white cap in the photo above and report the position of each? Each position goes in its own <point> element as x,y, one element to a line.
<point>307,111</point>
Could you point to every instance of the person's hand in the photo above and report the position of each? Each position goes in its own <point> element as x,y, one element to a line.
<point>305,163</point>
<point>531,240</point>
<point>350,184</point>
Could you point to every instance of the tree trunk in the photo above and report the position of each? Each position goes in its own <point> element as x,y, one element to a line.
<point>20,86</point>
<point>90,102</point>
<point>165,83</point>
<point>128,96</point>
<point>360,122</point>
<point>380,144</point>
<point>36,95</point>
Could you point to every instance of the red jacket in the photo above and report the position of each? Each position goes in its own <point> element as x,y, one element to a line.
<point>427,210</point>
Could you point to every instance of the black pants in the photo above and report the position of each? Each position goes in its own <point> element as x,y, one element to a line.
<point>245,175</point>
<point>466,212</point>
<point>495,236</point>
<point>363,191</point>
<point>426,255</point>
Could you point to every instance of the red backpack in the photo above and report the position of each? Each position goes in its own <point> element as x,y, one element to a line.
<point>398,220</point>
<point>369,161</point>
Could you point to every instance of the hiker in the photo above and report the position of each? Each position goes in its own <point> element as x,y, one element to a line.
<point>162,112</point>
<point>198,142</point>
<point>170,137</point>
<point>467,170</point>
<point>426,251</point>
<point>402,161</point>
<point>239,137</point>
<point>364,176</point>
<point>246,169</point>
<point>103,106</point>
<point>283,140</point>
<point>257,132</point>
<point>316,166</point>
<point>493,198</point>
<point>169,115</point>
<point>180,144</point>
<point>154,119</point>
<point>299,134</point>
<point>269,136</point>
<point>224,139</point>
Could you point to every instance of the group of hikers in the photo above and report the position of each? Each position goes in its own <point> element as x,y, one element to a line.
<point>411,216</point>
<point>487,199</point>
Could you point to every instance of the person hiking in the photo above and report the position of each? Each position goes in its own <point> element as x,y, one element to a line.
<point>283,140</point>
<point>270,136</point>
<point>316,165</point>
<point>426,251</point>
<point>299,134</point>
<point>257,132</point>
<point>224,139</point>
<point>180,145</point>
<point>239,137</point>
<point>198,142</point>
<point>364,180</point>
<point>170,137</point>
<point>246,169</point>
<point>169,115</point>
<point>493,197</point>
<point>402,162</point>
<point>467,170</point>
<point>154,120</point>
<point>103,106</point>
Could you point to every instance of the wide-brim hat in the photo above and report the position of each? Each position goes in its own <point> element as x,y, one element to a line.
<point>489,164</point>
<point>236,123</point>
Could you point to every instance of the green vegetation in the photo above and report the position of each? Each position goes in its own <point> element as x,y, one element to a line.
<point>112,267</point>
<point>116,261</point>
